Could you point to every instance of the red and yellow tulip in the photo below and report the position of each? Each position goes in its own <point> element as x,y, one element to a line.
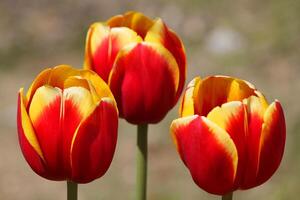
<point>67,125</point>
<point>228,136</point>
<point>142,60</point>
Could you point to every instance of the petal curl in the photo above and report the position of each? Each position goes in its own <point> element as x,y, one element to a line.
<point>144,81</point>
<point>208,152</point>
<point>94,143</point>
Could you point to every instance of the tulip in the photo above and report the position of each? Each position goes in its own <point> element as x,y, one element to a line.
<point>142,60</point>
<point>67,125</point>
<point>228,136</point>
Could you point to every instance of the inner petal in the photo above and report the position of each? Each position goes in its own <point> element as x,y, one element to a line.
<point>133,20</point>
<point>217,90</point>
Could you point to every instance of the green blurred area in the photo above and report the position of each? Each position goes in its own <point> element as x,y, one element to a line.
<point>254,40</point>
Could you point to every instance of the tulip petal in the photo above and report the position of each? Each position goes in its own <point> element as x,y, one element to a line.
<point>133,20</point>
<point>44,112</point>
<point>96,84</point>
<point>78,104</point>
<point>76,81</point>
<point>79,81</point>
<point>103,44</point>
<point>51,76</point>
<point>232,118</point>
<point>39,81</point>
<point>28,140</point>
<point>216,90</point>
<point>94,142</point>
<point>272,142</point>
<point>144,81</point>
<point>187,103</point>
<point>208,152</point>
<point>160,33</point>
<point>255,112</point>
<point>79,98</point>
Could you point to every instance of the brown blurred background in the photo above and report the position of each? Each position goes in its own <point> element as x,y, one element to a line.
<point>255,40</point>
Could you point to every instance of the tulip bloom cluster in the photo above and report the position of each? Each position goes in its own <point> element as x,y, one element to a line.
<point>228,136</point>
<point>142,60</point>
<point>67,125</point>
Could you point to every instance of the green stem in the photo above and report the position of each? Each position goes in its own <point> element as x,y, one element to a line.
<point>227,196</point>
<point>72,190</point>
<point>141,164</point>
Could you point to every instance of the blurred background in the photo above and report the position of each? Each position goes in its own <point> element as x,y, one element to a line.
<point>254,40</point>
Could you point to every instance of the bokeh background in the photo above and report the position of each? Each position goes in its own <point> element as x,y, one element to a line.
<point>255,40</point>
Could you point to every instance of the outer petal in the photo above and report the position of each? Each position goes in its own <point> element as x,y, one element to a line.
<point>94,143</point>
<point>44,112</point>
<point>216,90</point>
<point>103,45</point>
<point>187,103</point>
<point>255,114</point>
<point>133,20</point>
<point>272,142</point>
<point>232,118</point>
<point>208,152</point>
<point>160,33</point>
<point>144,81</point>
<point>27,139</point>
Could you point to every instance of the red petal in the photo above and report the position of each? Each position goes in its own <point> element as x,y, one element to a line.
<point>77,104</point>
<point>208,152</point>
<point>272,142</point>
<point>255,112</point>
<point>44,112</point>
<point>232,118</point>
<point>103,45</point>
<point>94,143</point>
<point>27,139</point>
<point>160,33</point>
<point>144,81</point>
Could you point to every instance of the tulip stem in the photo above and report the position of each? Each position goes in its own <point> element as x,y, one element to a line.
<point>72,190</point>
<point>141,171</point>
<point>227,196</point>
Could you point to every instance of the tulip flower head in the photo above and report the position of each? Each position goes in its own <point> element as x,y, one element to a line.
<point>67,125</point>
<point>142,60</point>
<point>227,135</point>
